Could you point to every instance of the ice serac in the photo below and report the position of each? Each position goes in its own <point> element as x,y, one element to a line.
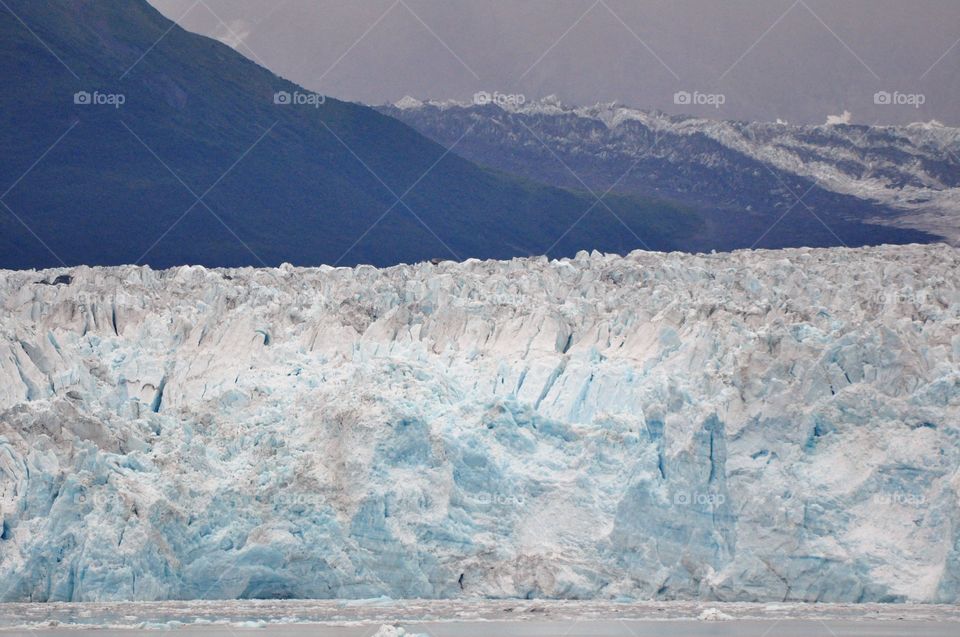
<point>746,426</point>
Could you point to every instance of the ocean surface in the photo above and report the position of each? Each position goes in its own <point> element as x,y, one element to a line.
<point>509,618</point>
<point>561,629</point>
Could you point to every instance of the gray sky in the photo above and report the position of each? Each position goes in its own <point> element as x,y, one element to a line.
<point>797,60</point>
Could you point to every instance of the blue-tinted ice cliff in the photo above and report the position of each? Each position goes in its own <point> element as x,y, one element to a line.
<point>748,426</point>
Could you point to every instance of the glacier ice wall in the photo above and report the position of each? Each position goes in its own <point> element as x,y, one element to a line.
<point>747,426</point>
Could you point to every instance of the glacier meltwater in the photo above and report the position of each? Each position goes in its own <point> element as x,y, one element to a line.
<point>746,427</point>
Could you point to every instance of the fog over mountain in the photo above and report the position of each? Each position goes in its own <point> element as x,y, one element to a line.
<point>797,60</point>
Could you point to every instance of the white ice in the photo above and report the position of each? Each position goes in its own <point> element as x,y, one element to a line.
<point>755,426</point>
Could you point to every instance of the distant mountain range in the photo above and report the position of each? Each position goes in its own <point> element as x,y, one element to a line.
<point>129,140</point>
<point>901,177</point>
<point>116,122</point>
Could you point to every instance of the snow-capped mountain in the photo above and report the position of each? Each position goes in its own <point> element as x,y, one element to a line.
<point>740,426</point>
<point>905,176</point>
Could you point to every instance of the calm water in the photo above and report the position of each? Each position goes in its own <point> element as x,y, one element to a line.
<point>590,628</point>
<point>487,618</point>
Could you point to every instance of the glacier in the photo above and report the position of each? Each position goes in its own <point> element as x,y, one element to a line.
<point>748,426</point>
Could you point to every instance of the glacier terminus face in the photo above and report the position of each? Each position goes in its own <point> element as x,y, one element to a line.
<point>752,426</point>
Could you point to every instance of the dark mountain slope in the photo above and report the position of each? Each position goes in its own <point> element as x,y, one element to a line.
<point>282,182</point>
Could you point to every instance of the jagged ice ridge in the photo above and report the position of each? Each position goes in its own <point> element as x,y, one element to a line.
<point>750,426</point>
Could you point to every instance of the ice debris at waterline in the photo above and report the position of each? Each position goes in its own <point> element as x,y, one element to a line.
<point>395,631</point>
<point>748,426</point>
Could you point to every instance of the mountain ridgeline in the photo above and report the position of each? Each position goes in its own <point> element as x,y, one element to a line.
<point>129,140</point>
<point>761,185</point>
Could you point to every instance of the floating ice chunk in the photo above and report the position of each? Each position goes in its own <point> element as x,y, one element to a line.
<point>714,615</point>
<point>395,631</point>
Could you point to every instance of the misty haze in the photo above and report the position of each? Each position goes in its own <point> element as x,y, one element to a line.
<point>775,59</point>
